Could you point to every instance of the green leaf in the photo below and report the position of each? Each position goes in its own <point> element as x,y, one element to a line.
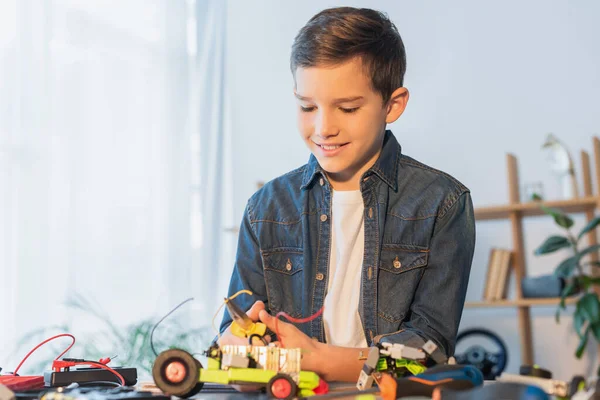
<point>560,218</point>
<point>588,250</point>
<point>552,244</point>
<point>590,226</point>
<point>536,197</point>
<point>566,267</point>
<point>557,315</point>
<point>586,281</point>
<point>593,263</point>
<point>589,306</point>
<point>578,321</point>
<point>596,330</point>
<point>582,344</point>
<point>568,291</point>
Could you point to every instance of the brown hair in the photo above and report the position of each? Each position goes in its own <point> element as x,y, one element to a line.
<point>336,35</point>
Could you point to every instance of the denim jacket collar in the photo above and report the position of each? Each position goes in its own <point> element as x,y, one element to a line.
<point>386,166</point>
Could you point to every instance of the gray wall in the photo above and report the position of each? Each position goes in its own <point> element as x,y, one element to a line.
<point>485,79</point>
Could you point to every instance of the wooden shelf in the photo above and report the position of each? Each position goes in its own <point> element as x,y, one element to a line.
<point>519,303</point>
<point>582,204</point>
<point>515,212</point>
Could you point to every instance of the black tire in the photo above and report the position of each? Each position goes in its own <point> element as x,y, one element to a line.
<point>190,385</point>
<point>574,384</point>
<point>277,378</point>
<point>490,370</point>
<point>529,370</point>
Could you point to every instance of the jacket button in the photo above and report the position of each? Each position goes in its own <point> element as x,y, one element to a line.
<point>397,263</point>
<point>320,276</point>
<point>321,181</point>
<point>323,217</point>
<point>288,265</point>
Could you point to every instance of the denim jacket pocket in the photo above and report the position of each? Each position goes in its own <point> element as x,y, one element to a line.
<point>400,270</point>
<point>284,277</point>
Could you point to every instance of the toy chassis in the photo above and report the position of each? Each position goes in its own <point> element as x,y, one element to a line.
<point>178,373</point>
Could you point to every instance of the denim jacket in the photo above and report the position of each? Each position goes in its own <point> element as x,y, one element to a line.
<point>419,242</point>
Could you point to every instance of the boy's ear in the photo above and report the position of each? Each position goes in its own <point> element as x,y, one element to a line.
<point>396,105</point>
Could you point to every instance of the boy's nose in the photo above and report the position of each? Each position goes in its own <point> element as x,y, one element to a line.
<point>325,126</point>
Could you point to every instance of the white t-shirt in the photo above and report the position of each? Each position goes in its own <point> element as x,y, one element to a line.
<point>340,316</point>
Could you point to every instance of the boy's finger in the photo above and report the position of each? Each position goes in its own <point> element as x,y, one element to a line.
<point>255,309</point>
<point>269,320</point>
<point>229,338</point>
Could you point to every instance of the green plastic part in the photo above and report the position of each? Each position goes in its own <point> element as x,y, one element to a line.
<point>414,367</point>
<point>213,364</point>
<point>305,393</point>
<point>246,375</point>
<point>308,380</point>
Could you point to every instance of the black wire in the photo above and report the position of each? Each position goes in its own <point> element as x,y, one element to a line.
<point>256,335</point>
<point>161,320</point>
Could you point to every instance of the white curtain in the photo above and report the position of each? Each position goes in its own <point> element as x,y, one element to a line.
<point>114,161</point>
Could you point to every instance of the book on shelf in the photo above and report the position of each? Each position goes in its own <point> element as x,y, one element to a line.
<point>487,291</point>
<point>497,274</point>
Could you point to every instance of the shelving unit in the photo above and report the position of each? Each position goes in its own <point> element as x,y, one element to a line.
<point>515,211</point>
<point>531,209</point>
<point>519,303</point>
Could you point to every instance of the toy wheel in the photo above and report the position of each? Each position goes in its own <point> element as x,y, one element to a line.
<point>491,364</point>
<point>575,383</point>
<point>176,372</point>
<point>282,386</point>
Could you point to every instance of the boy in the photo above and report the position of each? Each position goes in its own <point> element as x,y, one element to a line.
<point>381,241</point>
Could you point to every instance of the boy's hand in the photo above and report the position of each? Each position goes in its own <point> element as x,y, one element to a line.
<point>229,338</point>
<point>312,354</point>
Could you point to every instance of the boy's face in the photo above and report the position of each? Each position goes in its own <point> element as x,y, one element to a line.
<point>342,119</point>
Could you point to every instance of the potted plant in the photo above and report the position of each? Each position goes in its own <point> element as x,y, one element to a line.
<point>131,343</point>
<point>575,270</point>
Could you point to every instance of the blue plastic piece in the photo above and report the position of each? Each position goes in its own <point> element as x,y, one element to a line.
<point>495,391</point>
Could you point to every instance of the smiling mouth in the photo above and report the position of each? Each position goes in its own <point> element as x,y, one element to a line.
<point>330,147</point>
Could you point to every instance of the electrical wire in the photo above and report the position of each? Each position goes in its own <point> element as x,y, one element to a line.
<point>295,320</point>
<point>222,305</point>
<point>106,367</point>
<point>99,383</point>
<point>213,321</point>
<point>260,337</point>
<point>83,362</point>
<point>161,320</point>
<point>43,343</point>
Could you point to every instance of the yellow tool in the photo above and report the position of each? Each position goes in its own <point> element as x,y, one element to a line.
<point>242,325</point>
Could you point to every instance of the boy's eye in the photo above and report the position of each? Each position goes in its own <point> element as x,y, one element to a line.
<point>349,110</point>
<point>306,109</point>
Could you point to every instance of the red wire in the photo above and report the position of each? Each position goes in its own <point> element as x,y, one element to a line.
<point>296,320</point>
<point>95,364</point>
<point>99,365</point>
<point>43,343</point>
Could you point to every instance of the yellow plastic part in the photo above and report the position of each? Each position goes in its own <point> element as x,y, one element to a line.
<point>257,328</point>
